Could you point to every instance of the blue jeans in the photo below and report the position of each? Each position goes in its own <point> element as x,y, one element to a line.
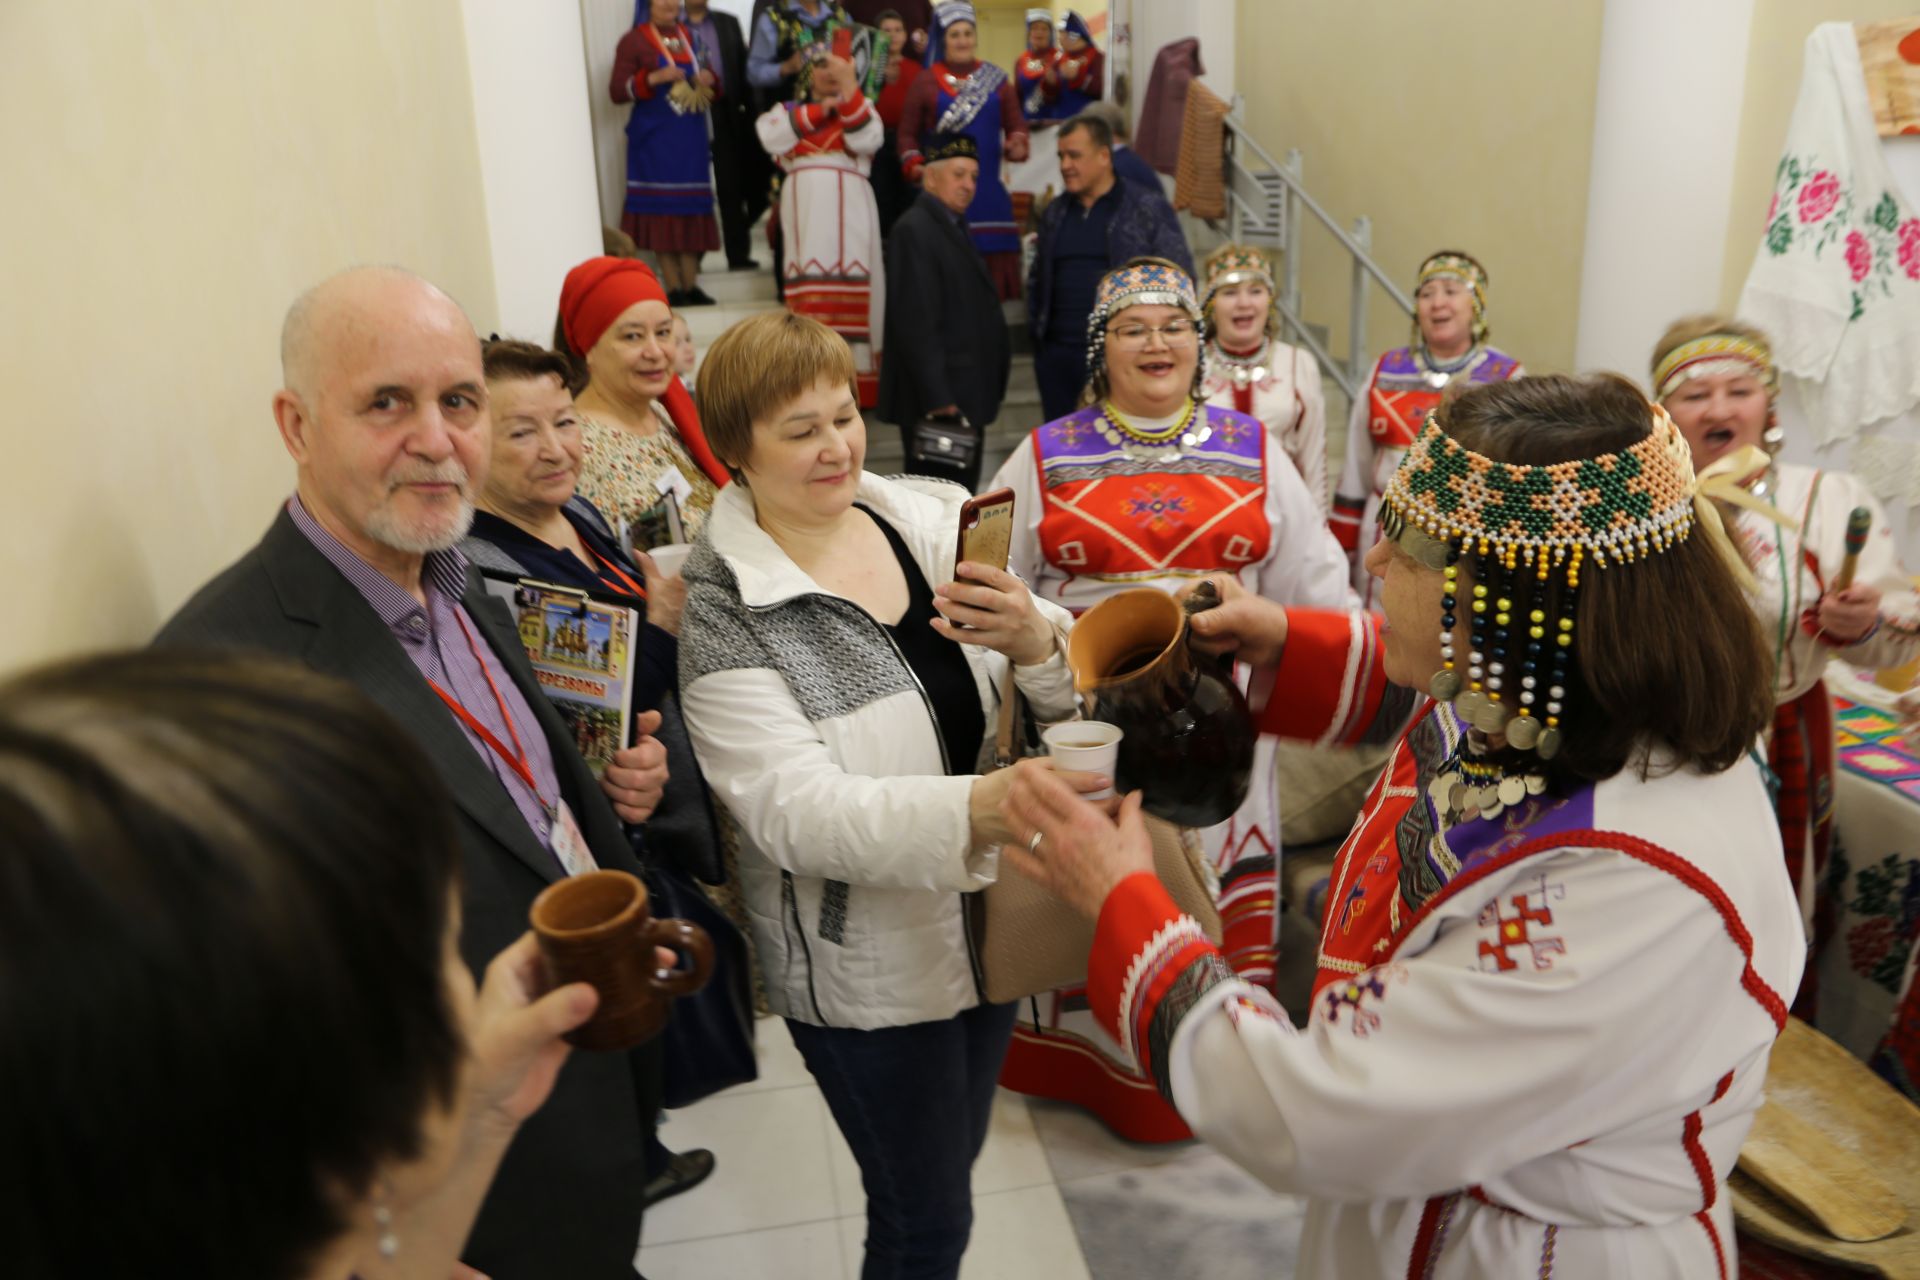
<point>913,1102</point>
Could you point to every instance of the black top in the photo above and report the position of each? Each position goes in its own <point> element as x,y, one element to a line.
<point>1080,259</point>
<point>937,664</point>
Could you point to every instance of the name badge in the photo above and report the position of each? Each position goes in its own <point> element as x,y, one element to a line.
<point>569,844</point>
<point>674,481</point>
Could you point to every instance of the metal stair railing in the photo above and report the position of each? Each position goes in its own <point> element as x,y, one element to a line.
<point>1264,202</point>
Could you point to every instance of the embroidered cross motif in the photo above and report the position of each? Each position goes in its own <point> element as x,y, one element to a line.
<point>1154,505</point>
<point>1233,431</point>
<point>1072,432</point>
<point>1354,993</point>
<point>1517,930</point>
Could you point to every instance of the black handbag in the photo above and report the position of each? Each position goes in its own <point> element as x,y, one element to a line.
<point>945,445</point>
<point>708,1043</point>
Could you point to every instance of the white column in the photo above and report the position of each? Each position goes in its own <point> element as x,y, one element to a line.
<point>602,23</point>
<point>1666,127</point>
<point>536,153</point>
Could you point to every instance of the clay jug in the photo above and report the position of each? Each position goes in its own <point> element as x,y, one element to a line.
<point>1189,739</point>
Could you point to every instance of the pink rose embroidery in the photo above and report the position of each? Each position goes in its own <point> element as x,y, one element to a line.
<point>1818,197</point>
<point>1859,256</point>
<point>1909,234</point>
<point>1773,207</point>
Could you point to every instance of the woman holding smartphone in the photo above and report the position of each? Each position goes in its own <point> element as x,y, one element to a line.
<point>839,712</point>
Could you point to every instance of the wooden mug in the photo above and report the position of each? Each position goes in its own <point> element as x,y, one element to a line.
<point>597,928</point>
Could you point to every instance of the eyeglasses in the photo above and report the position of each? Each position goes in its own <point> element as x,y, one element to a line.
<point>1133,337</point>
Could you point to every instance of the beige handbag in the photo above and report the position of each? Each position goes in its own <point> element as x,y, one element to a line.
<point>1028,940</point>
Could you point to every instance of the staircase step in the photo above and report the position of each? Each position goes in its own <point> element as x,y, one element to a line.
<point>735,287</point>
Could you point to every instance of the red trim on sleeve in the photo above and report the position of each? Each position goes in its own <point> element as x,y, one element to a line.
<point>1138,908</point>
<point>1425,1239</point>
<point>1312,674</point>
<point>858,116</point>
<point>806,118</point>
<point>1705,1220</point>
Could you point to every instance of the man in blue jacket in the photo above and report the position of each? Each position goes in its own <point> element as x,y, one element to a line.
<point>1099,224</point>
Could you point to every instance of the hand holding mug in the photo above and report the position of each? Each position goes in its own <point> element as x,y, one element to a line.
<point>599,929</point>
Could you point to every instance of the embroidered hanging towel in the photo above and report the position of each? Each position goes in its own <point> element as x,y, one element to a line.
<point>1836,281</point>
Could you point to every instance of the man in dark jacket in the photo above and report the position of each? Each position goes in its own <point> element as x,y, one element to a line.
<point>1099,224</point>
<point>742,169</point>
<point>385,413</point>
<point>946,349</point>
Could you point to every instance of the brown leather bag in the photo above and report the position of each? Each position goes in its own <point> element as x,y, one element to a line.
<point>1028,940</point>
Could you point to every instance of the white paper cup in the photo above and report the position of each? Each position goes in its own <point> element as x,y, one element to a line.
<point>1085,746</point>
<point>670,557</point>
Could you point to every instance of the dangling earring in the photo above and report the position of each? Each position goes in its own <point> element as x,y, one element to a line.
<point>1773,435</point>
<point>387,1243</point>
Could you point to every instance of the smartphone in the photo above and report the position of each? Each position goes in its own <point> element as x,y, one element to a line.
<point>986,529</point>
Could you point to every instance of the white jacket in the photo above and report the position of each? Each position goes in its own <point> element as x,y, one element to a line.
<point>814,733</point>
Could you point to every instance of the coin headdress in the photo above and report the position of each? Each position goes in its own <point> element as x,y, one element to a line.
<point>1527,534</point>
<point>1145,284</point>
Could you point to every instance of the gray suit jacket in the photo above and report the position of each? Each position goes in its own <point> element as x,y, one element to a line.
<point>567,1199</point>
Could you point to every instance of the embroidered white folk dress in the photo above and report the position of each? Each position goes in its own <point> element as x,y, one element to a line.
<point>830,224</point>
<point>1536,1043</point>
<point>1280,385</point>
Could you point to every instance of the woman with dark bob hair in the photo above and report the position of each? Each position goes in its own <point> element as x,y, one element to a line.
<point>1558,937</point>
<point>237,1038</point>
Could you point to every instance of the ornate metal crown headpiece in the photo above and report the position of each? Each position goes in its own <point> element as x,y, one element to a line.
<point>1239,267</point>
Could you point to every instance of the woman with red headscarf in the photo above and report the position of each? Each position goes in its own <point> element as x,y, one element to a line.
<point>644,457</point>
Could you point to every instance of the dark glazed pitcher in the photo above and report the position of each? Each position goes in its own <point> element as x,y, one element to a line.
<point>1189,739</point>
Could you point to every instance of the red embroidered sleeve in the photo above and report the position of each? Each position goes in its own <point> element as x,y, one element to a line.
<point>629,83</point>
<point>859,115</point>
<point>1329,687</point>
<point>1150,965</point>
<point>916,117</point>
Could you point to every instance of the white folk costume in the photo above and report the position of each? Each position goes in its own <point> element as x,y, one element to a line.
<point>1276,383</point>
<point>1544,1006</point>
<point>1103,503</point>
<point>1795,551</point>
<point>1404,387</point>
<point>831,224</point>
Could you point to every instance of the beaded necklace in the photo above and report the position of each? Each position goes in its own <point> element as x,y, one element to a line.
<point>1437,372</point>
<point>1163,444</point>
<point>1248,368</point>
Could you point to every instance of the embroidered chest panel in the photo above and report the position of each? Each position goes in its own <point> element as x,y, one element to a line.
<point>1402,392</point>
<point>1110,515</point>
<point>1397,860</point>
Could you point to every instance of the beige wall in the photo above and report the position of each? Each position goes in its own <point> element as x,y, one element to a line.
<point>175,175</point>
<point>1774,58</point>
<point>1474,134</point>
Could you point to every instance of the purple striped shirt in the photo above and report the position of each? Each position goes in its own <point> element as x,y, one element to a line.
<point>433,639</point>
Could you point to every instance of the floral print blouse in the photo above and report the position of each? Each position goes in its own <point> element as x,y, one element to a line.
<point>620,473</point>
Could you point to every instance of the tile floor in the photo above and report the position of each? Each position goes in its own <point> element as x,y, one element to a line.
<point>1056,1197</point>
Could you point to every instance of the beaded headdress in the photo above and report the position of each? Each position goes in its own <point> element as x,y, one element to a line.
<point>945,14</point>
<point>1238,266</point>
<point>950,146</point>
<point>1546,523</point>
<point>1040,15</point>
<point>1146,284</point>
<point>1711,355</point>
<point>1458,266</point>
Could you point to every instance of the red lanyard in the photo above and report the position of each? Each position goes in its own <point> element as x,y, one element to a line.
<point>516,760</point>
<point>621,580</point>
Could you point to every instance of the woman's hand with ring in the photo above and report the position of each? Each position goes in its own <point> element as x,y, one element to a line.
<point>986,802</point>
<point>990,607</point>
<point>1087,852</point>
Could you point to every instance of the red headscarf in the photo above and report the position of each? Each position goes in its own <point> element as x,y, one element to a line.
<point>598,292</point>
